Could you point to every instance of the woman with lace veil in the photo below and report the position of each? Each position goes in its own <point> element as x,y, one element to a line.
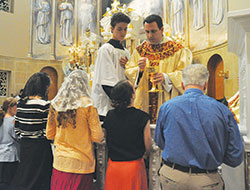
<point>74,125</point>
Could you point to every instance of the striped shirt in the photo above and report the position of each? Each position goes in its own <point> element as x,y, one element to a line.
<point>31,118</point>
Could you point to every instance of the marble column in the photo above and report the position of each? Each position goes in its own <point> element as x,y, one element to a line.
<point>239,43</point>
<point>30,53</point>
<point>53,29</point>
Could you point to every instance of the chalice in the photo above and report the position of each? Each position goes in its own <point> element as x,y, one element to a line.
<point>152,69</point>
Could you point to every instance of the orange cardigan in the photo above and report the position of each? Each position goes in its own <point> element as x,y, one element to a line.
<point>73,146</point>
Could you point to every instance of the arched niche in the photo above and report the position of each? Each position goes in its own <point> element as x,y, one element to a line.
<point>54,80</point>
<point>215,67</point>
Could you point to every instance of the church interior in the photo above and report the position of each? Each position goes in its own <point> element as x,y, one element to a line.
<point>33,38</point>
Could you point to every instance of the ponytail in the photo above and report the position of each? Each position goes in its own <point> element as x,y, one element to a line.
<point>2,114</point>
<point>9,102</point>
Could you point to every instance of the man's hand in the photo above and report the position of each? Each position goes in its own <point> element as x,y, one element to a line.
<point>142,63</point>
<point>123,61</point>
<point>157,78</point>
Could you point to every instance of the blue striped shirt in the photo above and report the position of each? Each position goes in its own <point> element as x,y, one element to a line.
<point>196,130</point>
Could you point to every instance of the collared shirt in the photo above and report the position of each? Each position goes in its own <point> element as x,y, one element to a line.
<point>196,130</point>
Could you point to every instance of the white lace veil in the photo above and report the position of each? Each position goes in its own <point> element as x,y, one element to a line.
<point>74,87</point>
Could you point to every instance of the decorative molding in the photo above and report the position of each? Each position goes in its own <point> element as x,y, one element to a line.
<point>239,43</point>
<point>217,47</point>
<point>154,166</point>
<point>238,13</point>
<point>238,25</point>
<point>243,76</point>
<point>101,157</point>
<point>154,163</point>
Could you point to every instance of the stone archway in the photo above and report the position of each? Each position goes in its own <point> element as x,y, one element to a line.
<point>54,80</point>
<point>215,67</point>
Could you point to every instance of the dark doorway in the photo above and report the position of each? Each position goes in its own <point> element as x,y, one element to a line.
<point>215,67</point>
<point>54,78</point>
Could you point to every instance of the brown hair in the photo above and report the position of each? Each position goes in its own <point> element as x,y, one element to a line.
<point>67,117</point>
<point>121,95</point>
<point>9,102</point>
<point>63,117</point>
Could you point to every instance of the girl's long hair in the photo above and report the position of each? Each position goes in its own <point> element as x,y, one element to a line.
<point>9,102</point>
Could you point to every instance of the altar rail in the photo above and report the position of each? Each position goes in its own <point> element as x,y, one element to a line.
<point>154,165</point>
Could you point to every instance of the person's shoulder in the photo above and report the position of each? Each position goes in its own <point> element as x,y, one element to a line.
<point>9,119</point>
<point>29,102</point>
<point>175,100</point>
<point>142,46</point>
<point>141,112</point>
<point>37,105</point>
<point>210,100</point>
<point>110,114</point>
<point>169,42</point>
<point>39,102</point>
<point>213,104</point>
<point>106,46</point>
<point>172,103</point>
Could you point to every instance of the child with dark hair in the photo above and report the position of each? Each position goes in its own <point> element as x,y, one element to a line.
<point>110,64</point>
<point>128,137</point>
<point>35,168</point>
<point>9,149</point>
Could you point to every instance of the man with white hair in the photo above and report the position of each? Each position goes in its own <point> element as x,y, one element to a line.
<point>197,134</point>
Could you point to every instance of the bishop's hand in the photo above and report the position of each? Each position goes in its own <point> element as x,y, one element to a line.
<point>157,78</point>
